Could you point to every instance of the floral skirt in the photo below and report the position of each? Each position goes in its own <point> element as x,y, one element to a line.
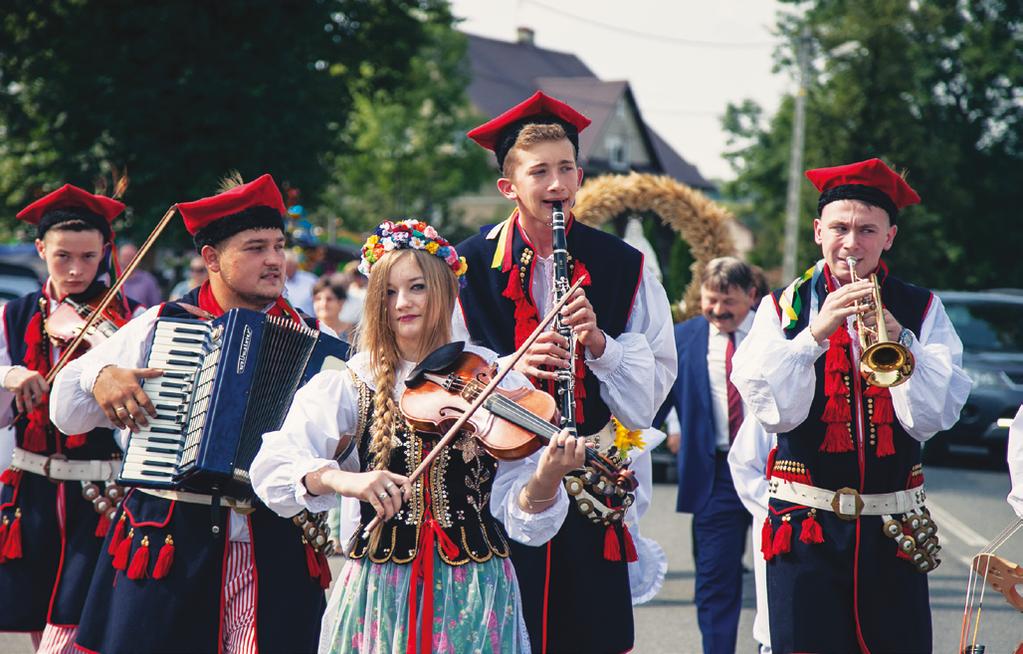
<point>476,609</point>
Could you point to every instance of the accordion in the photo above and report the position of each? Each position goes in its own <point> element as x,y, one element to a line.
<point>226,382</point>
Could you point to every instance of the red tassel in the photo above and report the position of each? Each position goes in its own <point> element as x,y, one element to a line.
<point>10,477</point>
<point>612,548</point>
<point>75,440</point>
<point>837,409</point>
<point>118,536</point>
<point>811,532</point>
<point>885,442</point>
<point>837,438</point>
<point>3,536</point>
<point>840,337</point>
<point>883,413</point>
<point>902,555</point>
<point>767,540</point>
<point>630,547</point>
<point>120,561</point>
<point>325,576</point>
<point>311,562</point>
<point>783,537</point>
<point>102,525</point>
<point>834,384</point>
<point>139,567</point>
<point>12,546</point>
<point>165,559</point>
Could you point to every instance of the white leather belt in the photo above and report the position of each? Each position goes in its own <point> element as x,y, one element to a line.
<point>58,468</point>
<point>241,506</point>
<point>847,503</point>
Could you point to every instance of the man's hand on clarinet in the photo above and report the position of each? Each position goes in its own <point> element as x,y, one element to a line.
<point>549,350</point>
<point>579,315</point>
<point>119,393</point>
<point>838,306</point>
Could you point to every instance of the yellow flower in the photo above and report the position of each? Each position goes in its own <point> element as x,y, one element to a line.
<point>432,247</point>
<point>462,267</point>
<point>625,439</point>
<point>372,240</point>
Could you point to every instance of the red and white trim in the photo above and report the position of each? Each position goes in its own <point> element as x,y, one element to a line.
<point>55,640</point>
<point>238,630</point>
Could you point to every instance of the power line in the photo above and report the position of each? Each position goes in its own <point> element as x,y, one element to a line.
<point>655,37</point>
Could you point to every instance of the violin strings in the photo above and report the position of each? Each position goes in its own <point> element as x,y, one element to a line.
<point>976,579</point>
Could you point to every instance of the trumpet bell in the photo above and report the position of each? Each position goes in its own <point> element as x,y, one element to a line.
<point>886,364</point>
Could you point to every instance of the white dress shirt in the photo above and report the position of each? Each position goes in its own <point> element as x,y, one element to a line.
<point>638,367</point>
<point>777,379</point>
<point>717,347</point>
<point>74,410</point>
<point>327,408</point>
<point>1015,458</point>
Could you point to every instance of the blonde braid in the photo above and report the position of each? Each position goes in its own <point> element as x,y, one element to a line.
<point>385,413</point>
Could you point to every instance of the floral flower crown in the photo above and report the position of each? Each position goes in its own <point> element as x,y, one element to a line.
<point>409,234</point>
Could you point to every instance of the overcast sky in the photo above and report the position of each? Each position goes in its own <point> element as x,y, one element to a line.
<point>684,59</point>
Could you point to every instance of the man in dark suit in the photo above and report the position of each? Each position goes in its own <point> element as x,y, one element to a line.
<point>709,412</point>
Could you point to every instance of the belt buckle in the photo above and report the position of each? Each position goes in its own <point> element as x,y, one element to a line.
<point>836,503</point>
<point>46,466</point>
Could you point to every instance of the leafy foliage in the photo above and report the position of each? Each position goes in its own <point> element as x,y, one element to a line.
<point>932,87</point>
<point>181,91</point>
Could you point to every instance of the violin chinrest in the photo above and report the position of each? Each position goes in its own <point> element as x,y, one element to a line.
<point>440,359</point>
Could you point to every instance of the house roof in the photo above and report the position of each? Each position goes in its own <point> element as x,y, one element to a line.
<point>503,73</point>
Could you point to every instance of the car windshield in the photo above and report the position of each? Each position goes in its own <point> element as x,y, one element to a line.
<point>988,326</point>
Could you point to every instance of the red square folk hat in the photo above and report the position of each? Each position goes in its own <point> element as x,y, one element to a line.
<point>870,181</point>
<point>72,203</point>
<point>498,134</point>
<point>255,205</point>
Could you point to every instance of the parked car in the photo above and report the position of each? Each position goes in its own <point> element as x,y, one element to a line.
<point>990,325</point>
<point>16,280</point>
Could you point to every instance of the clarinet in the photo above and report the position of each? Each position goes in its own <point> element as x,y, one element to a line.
<point>565,382</point>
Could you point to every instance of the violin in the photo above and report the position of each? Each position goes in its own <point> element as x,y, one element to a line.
<point>70,317</point>
<point>510,424</point>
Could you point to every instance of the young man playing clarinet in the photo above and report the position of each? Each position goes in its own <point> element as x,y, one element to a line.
<point>848,540</point>
<point>187,572</point>
<point>57,491</point>
<point>575,589</point>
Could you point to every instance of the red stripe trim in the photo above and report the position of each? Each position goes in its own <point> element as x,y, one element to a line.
<point>62,525</point>
<point>158,525</point>
<point>639,281</point>
<point>927,308</point>
<point>85,649</point>
<point>777,307</point>
<point>546,598</point>
<point>223,591</point>
<point>856,593</point>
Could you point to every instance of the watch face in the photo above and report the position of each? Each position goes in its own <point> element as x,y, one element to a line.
<point>906,337</point>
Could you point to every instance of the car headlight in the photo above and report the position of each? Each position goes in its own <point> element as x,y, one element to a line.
<point>983,377</point>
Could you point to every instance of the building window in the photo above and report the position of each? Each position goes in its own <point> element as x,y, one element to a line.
<point>617,154</point>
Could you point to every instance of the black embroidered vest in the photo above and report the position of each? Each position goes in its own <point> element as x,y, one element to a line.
<point>799,450</point>
<point>615,270</point>
<point>455,491</point>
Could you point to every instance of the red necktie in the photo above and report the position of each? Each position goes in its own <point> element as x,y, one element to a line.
<point>734,399</point>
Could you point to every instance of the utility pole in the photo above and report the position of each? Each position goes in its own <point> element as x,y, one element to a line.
<point>788,268</point>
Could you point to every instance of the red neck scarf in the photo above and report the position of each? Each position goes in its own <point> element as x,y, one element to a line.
<point>280,307</point>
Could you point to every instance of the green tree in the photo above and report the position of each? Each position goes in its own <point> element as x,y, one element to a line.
<point>180,91</point>
<point>405,152</point>
<point>932,87</point>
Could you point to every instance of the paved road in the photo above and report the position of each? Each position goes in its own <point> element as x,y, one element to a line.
<point>968,502</point>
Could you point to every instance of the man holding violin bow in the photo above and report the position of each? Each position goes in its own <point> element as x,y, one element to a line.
<point>58,493</point>
<point>853,369</point>
<point>620,361</point>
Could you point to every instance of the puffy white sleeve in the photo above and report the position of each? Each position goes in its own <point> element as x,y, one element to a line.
<point>747,460</point>
<point>930,401</point>
<point>325,408</point>
<point>1015,458</point>
<point>638,367</point>
<point>6,397</point>
<point>73,409</point>
<point>775,375</point>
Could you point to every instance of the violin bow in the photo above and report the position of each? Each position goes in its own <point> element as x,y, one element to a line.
<point>982,565</point>
<point>73,346</point>
<point>484,394</point>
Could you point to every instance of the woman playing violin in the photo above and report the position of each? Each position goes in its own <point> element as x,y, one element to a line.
<point>435,576</point>
<point>50,532</point>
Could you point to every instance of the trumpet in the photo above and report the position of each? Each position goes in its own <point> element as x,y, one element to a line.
<point>883,362</point>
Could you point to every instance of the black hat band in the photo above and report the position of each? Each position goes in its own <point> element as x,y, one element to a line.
<point>53,218</point>
<point>860,192</point>
<point>261,217</point>
<point>511,134</point>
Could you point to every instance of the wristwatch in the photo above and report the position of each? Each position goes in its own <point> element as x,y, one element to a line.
<point>906,338</point>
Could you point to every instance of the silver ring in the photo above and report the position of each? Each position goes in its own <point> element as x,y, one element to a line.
<point>560,446</point>
<point>383,495</point>
<point>118,410</point>
<point>389,484</point>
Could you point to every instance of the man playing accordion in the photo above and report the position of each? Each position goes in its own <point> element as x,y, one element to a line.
<point>181,573</point>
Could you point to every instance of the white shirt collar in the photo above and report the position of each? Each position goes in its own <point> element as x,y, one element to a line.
<point>742,330</point>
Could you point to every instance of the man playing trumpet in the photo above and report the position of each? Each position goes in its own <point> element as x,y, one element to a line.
<point>847,538</point>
